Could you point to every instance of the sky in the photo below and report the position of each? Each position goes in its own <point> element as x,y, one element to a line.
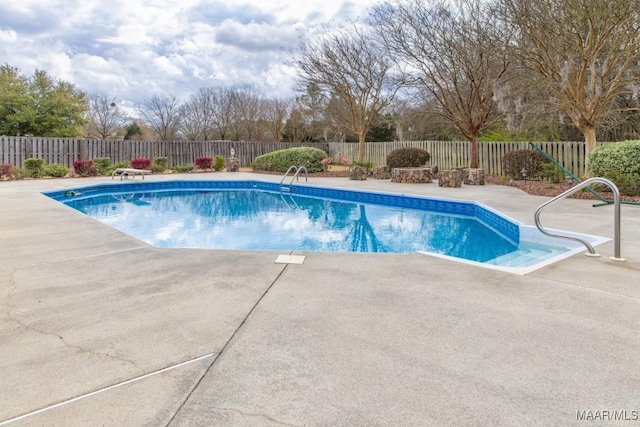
<point>133,49</point>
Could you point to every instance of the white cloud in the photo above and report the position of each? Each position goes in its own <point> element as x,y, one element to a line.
<point>132,48</point>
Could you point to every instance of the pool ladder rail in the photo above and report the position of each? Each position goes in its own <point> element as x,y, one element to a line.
<point>616,217</point>
<point>296,174</point>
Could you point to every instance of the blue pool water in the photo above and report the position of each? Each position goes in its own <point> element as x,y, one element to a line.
<point>258,215</point>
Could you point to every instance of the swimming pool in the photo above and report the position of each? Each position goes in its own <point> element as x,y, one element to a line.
<point>252,215</point>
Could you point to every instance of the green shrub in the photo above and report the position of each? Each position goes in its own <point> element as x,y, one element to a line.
<point>159,164</point>
<point>367,165</point>
<point>182,168</point>
<point>55,170</point>
<point>408,157</point>
<point>551,172</point>
<point>102,165</point>
<point>530,160</point>
<point>34,167</point>
<point>218,163</point>
<point>281,160</point>
<point>619,162</point>
<point>19,173</point>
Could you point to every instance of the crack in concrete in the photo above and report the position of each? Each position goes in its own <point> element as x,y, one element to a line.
<point>76,347</point>
<point>11,318</point>
<point>250,414</point>
<point>10,291</point>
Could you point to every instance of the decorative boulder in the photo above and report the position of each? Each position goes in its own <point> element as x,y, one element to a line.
<point>433,169</point>
<point>411,175</point>
<point>474,177</point>
<point>451,178</point>
<point>381,172</point>
<point>233,165</point>
<point>358,173</point>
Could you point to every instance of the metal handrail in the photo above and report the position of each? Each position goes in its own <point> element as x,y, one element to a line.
<point>292,167</point>
<point>616,216</point>
<point>295,176</point>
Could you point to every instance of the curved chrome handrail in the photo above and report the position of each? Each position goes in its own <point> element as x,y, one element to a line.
<point>292,167</point>
<point>295,176</point>
<point>616,216</point>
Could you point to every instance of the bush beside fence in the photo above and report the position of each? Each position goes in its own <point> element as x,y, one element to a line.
<point>445,154</point>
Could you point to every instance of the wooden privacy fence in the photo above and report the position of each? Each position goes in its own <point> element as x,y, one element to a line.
<point>445,154</point>
<point>448,154</point>
<point>15,150</point>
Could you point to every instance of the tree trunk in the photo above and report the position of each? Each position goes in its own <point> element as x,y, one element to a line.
<point>473,152</point>
<point>361,147</point>
<point>589,144</point>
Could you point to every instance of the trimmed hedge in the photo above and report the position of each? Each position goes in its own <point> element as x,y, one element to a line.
<point>409,157</point>
<point>218,163</point>
<point>34,167</point>
<point>618,162</point>
<point>102,165</point>
<point>55,170</point>
<point>281,160</point>
<point>159,164</point>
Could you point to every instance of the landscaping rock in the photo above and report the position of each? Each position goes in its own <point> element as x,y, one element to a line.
<point>381,172</point>
<point>233,165</point>
<point>450,178</point>
<point>474,176</point>
<point>358,173</point>
<point>433,169</point>
<point>411,175</point>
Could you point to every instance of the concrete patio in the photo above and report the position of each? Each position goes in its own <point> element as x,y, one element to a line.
<point>100,329</point>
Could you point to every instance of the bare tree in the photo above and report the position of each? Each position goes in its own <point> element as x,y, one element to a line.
<point>586,50</point>
<point>246,113</point>
<point>351,67</point>
<point>197,115</point>
<point>454,52</point>
<point>105,118</point>
<point>276,111</point>
<point>162,114</point>
<point>191,123</point>
<point>222,109</point>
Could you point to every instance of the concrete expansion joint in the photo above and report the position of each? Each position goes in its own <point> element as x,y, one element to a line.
<point>97,255</point>
<point>252,415</point>
<point>225,346</point>
<point>590,289</point>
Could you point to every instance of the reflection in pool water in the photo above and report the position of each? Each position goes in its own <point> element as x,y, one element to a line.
<point>252,219</point>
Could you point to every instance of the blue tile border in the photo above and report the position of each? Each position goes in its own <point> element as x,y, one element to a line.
<point>501,224</point>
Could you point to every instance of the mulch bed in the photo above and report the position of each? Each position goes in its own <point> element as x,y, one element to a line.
<point>550,189</point>
<point>535,188</point>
